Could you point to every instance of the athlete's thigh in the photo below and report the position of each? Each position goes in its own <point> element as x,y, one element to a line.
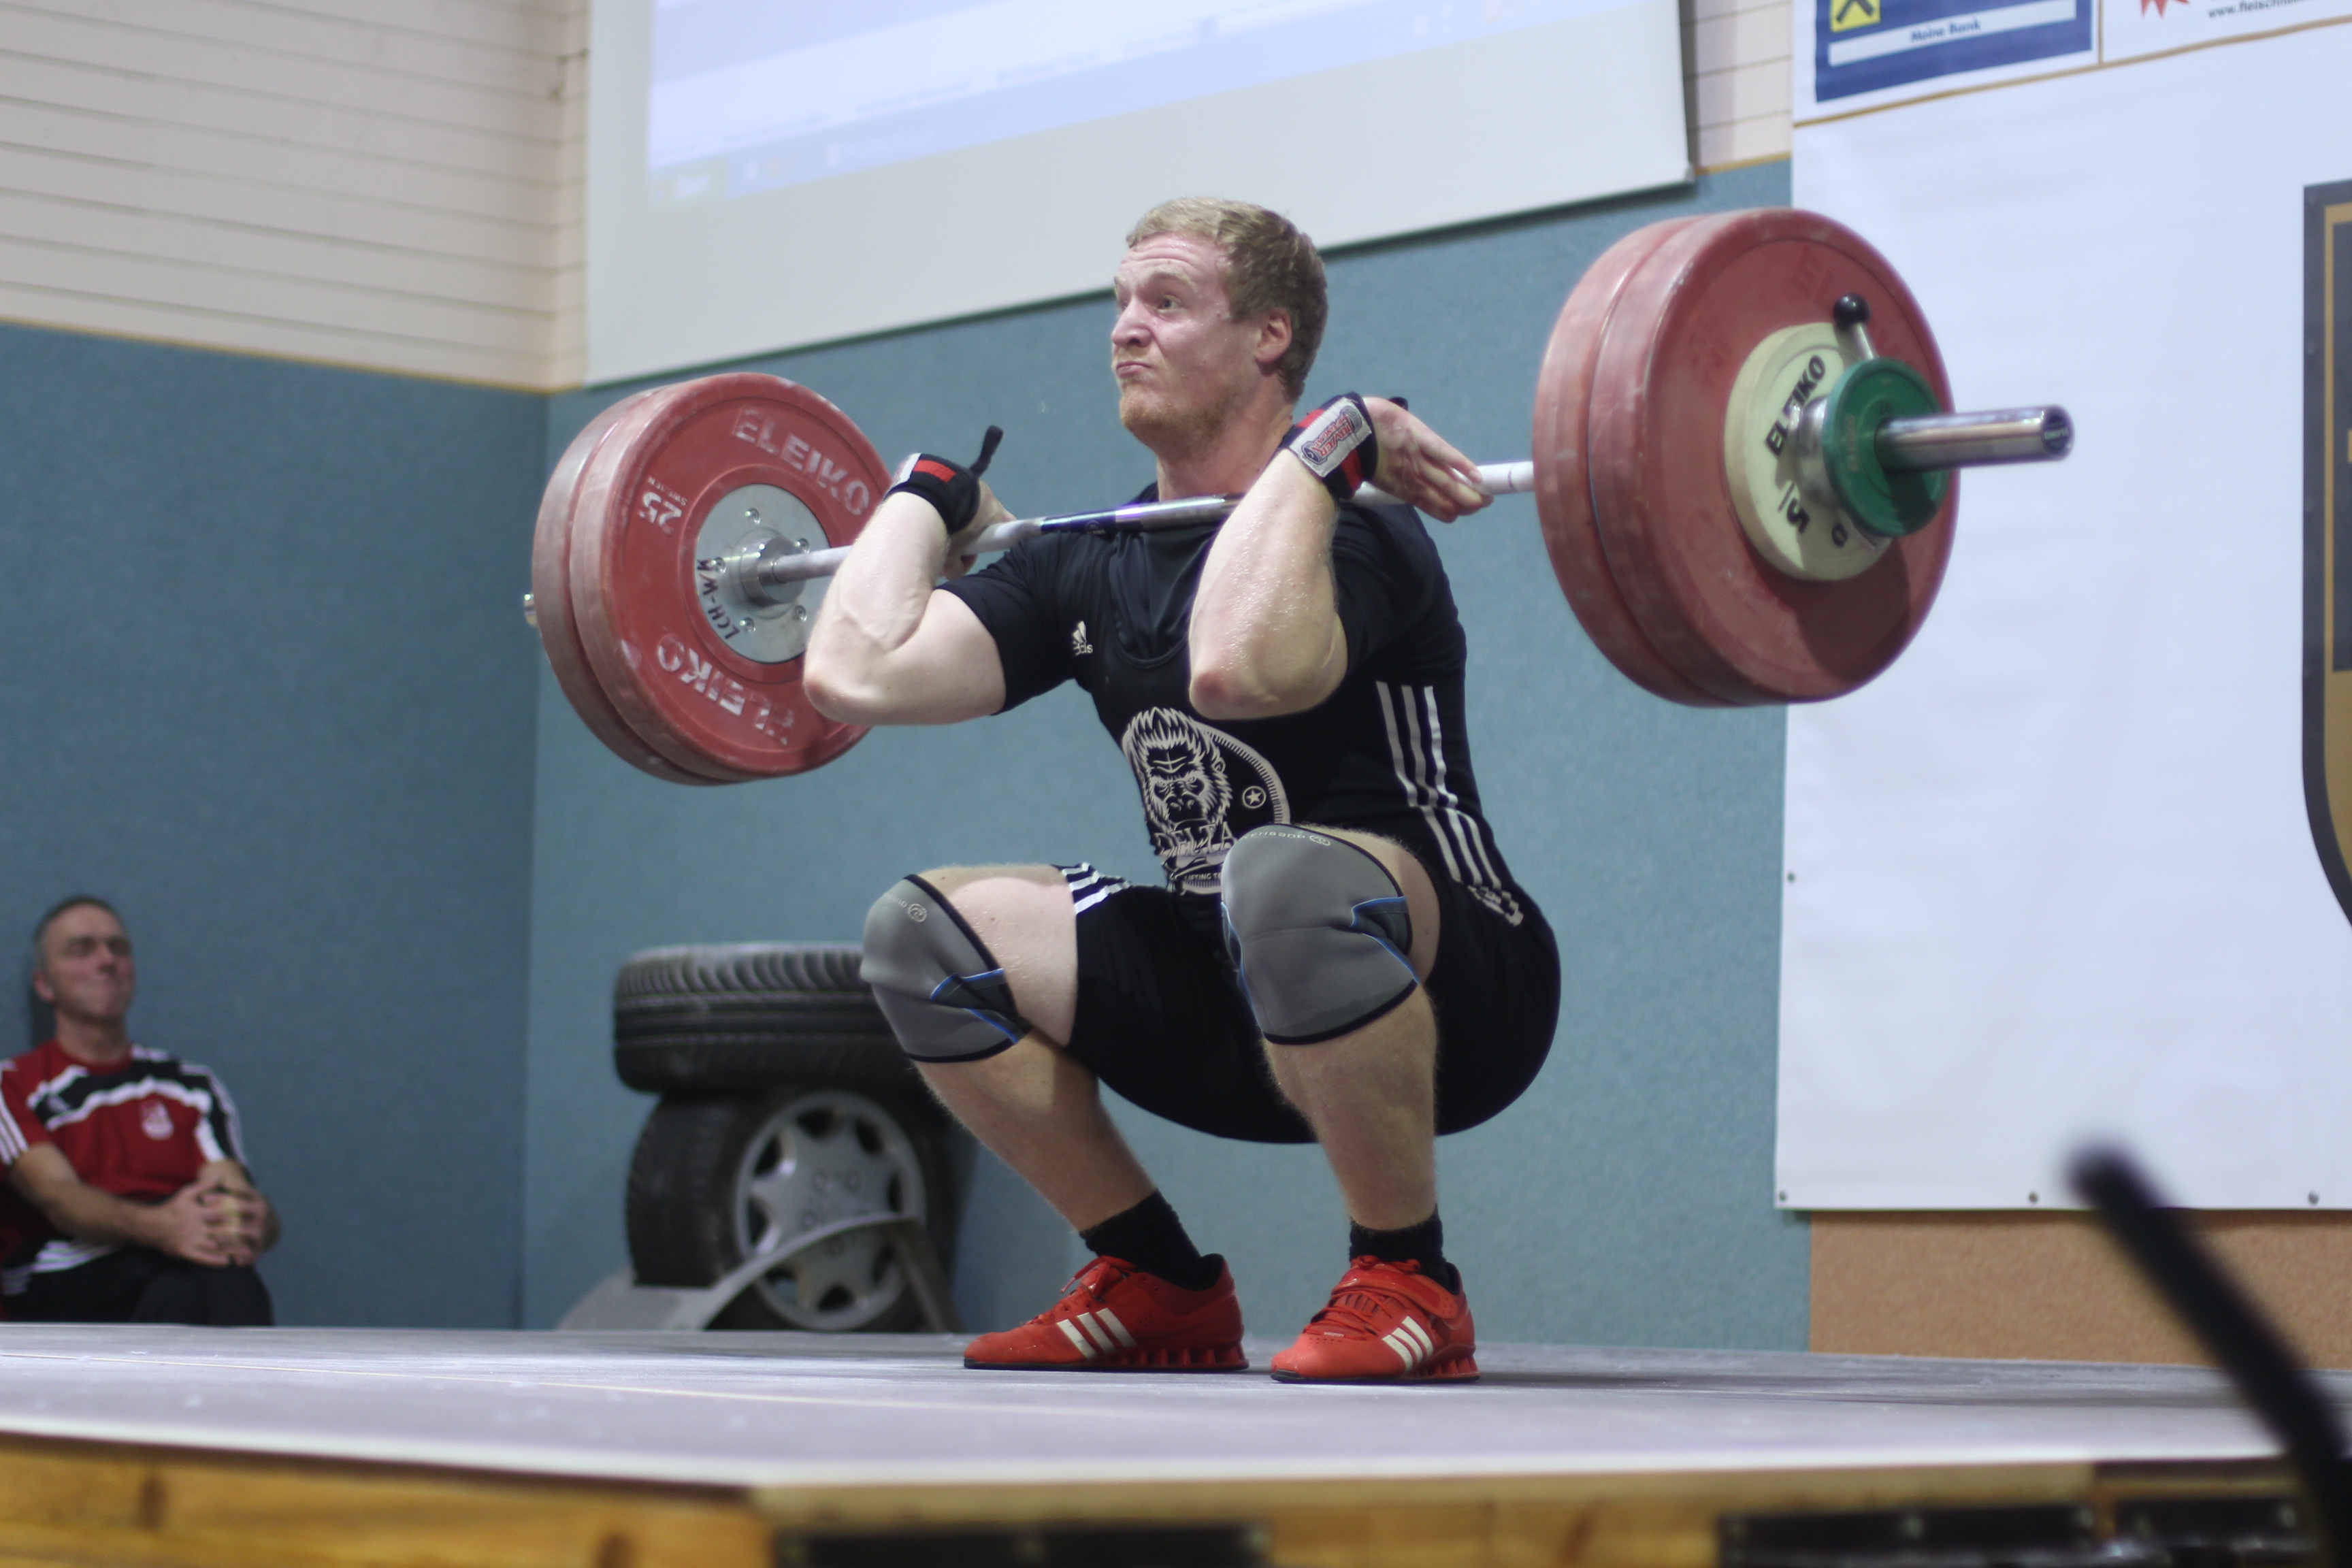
<point>1412,877</point>
<point>1162,1020</point>
<point>1496,991</point>
<point>1021,915</point>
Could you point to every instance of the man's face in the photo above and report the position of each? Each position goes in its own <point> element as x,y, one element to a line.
<point>1184,364</point>
<point>86,971</point>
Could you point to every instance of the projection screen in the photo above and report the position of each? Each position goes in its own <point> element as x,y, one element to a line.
<point>767,174</point>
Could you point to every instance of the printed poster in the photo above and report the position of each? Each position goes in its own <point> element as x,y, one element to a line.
<point>1863,53</point>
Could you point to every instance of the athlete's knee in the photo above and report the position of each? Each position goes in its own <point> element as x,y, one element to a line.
<point>943,992</point>
<point>1319,931</point>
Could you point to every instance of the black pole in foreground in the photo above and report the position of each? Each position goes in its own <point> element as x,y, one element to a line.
<point>2233,1330</point>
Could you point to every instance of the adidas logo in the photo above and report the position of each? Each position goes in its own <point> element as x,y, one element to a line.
<point>1411,1342</point>
<point>1079,647</point>
<point>1097,1331</point>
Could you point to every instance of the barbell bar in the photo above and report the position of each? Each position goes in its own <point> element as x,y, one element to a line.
<point>1743,464</point>
<point>1918,445</point>
<point>793,562</point>
<point>1924,442</point>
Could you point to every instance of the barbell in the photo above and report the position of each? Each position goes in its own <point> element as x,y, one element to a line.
<point>1742,466</point>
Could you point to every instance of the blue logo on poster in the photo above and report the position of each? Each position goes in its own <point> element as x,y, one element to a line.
<point>1863,46</point>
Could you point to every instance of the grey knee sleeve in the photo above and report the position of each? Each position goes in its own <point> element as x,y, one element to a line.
<point>942,991</point>
<point>1319,931</point>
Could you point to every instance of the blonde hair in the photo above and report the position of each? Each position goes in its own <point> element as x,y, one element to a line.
<point>1269,266</point>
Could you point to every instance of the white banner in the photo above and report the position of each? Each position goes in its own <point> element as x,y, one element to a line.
<point>2053,876</point>
<point>1854,56</point>
<point>2129,28</point>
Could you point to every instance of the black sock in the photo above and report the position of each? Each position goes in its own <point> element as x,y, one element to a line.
<point>1151,1236</point>
<point>1423,1243</point>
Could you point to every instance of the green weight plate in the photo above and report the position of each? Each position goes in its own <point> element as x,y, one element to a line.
<point>1881,500</point>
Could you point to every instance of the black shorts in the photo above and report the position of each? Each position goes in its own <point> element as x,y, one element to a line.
<point>1161,1018</point>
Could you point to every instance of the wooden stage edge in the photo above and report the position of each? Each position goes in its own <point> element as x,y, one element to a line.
<point>77,1504</point>
<point>294,1448</point>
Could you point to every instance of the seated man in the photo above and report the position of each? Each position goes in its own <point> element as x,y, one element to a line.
<point>127,1200</point>
<point>1340,954</point>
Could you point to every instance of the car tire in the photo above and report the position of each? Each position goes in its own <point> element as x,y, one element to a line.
<point>746,1016</point>
<point>717,1177</point>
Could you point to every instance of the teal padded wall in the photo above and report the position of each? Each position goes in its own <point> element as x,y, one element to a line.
<point>1626,1199</point>
<point>267,689</point>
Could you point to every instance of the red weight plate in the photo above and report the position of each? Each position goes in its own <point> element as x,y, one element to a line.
<point>550,592</point>
<point>645,498</point>
<point>1685,324</point>
<point>1563,491</point>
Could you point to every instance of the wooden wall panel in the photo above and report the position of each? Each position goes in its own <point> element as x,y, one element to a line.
<point>2050,1287</point>
<point>1736,61</point>
<point>400,185</point>
<point>568,290</point>
<point>387,183</point>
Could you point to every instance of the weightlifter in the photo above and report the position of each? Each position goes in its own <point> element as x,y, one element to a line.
<point>1339,952</point>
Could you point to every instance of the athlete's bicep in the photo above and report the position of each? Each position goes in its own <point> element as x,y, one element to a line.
<point>946,672</point>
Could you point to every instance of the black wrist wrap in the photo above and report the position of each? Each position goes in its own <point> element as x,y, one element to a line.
<point>952,489</point>
<point>1337,444</point>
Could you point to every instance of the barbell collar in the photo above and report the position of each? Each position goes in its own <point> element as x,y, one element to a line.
<point>1851,315</point>
<point>760,579</point>
<point>1924,441</point>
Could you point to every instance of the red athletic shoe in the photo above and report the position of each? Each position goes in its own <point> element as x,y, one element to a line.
<point>1386,1322</point>
<point>1116,1317</point>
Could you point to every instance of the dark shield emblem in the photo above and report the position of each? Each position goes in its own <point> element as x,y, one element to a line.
<point>2327,529</point>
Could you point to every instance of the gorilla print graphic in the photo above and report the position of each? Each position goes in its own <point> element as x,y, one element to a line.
<point>1202,789</point>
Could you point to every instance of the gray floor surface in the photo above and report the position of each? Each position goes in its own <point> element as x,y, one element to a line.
<point>801,1410</point>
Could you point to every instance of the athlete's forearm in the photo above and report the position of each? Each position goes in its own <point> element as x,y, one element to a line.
<point>860,667</point>
<point>1264,637</point>
<point>877,598</point>
<point>889,648</point>
<point>86,1212</point>
<point>76,1208</point>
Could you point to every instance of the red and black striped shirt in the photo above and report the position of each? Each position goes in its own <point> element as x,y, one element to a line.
<point>139,1130</point>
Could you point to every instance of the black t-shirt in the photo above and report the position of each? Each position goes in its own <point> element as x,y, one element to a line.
<point>1386,753</point>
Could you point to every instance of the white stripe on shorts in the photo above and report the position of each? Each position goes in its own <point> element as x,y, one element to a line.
<point>1089,887</point>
